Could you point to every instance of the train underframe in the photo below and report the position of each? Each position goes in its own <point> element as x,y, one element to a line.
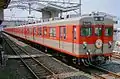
<point>98,60</point>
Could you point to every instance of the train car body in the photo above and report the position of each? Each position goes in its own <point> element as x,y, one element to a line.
<point>85,38</point>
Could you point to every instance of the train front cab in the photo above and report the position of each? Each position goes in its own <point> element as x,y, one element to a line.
<point>96,39</point>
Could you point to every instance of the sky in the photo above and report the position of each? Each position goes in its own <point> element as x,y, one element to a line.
<point>108,6</point>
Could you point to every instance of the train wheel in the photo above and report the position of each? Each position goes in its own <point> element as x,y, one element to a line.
<point>46,50</point>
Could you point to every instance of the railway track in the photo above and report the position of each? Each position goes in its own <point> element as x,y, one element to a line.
<point>116,55</point>
<point>35,67</point>
<point>59,69</point>
<point>48,60</point>
<point>108,74</point>
<point>99,72</point>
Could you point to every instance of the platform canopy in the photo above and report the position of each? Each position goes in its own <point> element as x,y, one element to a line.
<point>55,7</point>
<point>52,10</point>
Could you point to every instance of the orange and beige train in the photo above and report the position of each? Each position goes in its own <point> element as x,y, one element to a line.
<point>86,39</point>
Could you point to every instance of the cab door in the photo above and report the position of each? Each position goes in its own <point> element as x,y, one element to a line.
<point>34,33</point>
<point>44,34</point>
<point>108,38</point>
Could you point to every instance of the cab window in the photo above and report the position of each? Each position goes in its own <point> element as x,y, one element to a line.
<point>108,31</point>
<point>98,31</point>
<point>86,31</point>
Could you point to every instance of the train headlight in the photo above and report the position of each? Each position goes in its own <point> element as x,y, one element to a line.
<point>116,43</point>
<point>110,44</point>
<point>84,45</point>
<point>88,52</point>
<point>98,43</point>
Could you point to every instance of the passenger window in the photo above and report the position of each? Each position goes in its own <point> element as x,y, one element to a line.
<point>45,31</point>
<point>40,31</point>
<point>22,30</point>
<point>98,31</point>
<point>63,32</point>
<point>52,32</point>
<point>34,30</point>
<point>30,30</point>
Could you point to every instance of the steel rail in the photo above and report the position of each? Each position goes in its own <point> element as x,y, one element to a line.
<point>116,56</point>
<point>94,74</point>
<point>23,61</point>
<point>53,74</point>
<point>105,70</point>
<point>98,76</point>
<point>37,61</point>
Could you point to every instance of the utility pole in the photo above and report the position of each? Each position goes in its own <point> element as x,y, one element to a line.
<point>29,8</point>
<point>80,7</point>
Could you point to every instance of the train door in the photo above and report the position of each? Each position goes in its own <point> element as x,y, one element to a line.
<point>74,39</point>
<point>40,33</point>
<point>103,27</point>
<point>44,34</point>
<point>25,32</point>
<point>108,38</point>
<point>33,33</point>
<point>99,34</point>
<point>99,38</point>
<point>62,36</point>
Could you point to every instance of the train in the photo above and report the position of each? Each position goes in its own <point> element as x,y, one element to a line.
<point>116,39</point>
<point>85,39</point>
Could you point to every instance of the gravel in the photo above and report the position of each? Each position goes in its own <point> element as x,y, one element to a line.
<point>14,69</point>
<point>77,77</point>
<point>112,66</point>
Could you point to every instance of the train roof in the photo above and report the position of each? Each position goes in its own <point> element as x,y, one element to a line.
<point>71,20</point>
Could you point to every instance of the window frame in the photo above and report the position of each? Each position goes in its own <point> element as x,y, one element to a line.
<point>86,27</point>
<point>105,31</point>
<point>63,32</point>
<point>34,31</point>
<point>95,30</point>
<point>40,31</point>
<point>30,30</point>
<point>45,30</point>
<point>51,32</point>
